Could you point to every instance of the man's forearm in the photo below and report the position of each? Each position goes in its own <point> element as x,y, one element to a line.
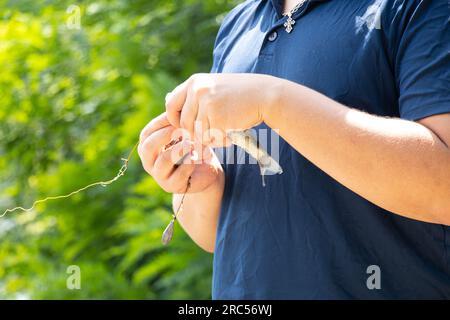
<point>399,165</point>
<point>200,213</point>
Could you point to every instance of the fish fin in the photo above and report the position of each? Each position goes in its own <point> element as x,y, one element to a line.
<point>269,166</point>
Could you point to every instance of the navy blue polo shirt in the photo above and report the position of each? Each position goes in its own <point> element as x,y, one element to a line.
<point>304,235</point>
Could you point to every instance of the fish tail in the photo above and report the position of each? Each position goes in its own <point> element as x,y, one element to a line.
<point>269,166</point>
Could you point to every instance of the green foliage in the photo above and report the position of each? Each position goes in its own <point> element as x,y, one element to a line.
<point>72,103</point>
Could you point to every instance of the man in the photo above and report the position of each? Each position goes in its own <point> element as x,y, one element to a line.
<point>360,94</point>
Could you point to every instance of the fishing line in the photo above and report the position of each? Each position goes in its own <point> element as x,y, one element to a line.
<point>241,138</point>
<point>106,183</point>
<point>167,233</point>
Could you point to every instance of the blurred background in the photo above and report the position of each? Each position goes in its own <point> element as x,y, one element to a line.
<point>78,82</point>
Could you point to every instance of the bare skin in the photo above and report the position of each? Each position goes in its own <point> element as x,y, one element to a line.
<point>289,4</point>
<point>202,203</point>
<point>402,166</point>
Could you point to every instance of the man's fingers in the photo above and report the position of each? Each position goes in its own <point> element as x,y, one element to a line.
<point>202,127</point>
<point>175,101</point>
<point>168,160</point>
<point>189,114</point>
<point>157,123</point>
<point>180,177</point>
<point>149,148</point>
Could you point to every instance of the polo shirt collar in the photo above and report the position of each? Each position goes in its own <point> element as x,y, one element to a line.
<point>278,5</point>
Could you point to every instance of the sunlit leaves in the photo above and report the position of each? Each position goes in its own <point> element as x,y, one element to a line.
<point>72,103</point>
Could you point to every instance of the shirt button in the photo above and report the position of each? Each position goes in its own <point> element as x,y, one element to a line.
<point>272,36</point>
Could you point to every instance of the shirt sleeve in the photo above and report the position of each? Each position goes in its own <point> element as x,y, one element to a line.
<point>422,59</point>
<point>227,25</point>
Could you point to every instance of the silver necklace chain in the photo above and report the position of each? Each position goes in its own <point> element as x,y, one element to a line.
<point>289,24</point>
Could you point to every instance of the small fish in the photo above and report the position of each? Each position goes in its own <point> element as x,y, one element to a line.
<point>245,140</point>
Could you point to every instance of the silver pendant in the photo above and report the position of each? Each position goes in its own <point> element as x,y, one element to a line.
<point>289,24</point>
<point>168,233</point>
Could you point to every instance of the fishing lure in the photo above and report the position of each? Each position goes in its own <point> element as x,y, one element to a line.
<point>168,232</point>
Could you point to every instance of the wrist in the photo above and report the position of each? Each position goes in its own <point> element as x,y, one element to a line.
<point>273,94</point>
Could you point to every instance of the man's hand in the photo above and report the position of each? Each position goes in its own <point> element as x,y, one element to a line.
<point>161,163</point>
<point>219,102</point>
